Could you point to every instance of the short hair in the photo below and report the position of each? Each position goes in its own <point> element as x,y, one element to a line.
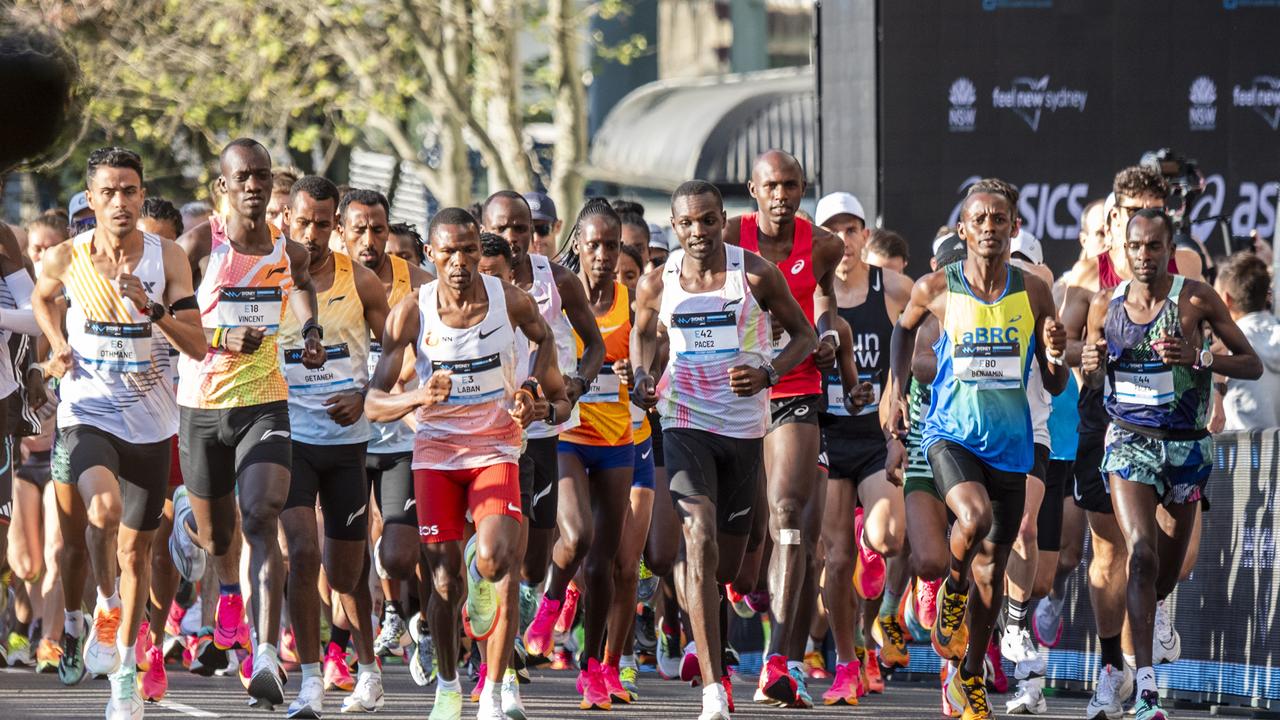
<point>451,216</point>
<point>1152,214</point>
<point>283,178</point>
<point>1247,279</point>
<point>319,188</point>
<point>996,186</point>
<point>1137,180</point>
<point>690,188</point>
<point>624,207</point>
<point>633,252</point>
<point>493,245</point>
<point>50,221</point>
<point>247,143</point>
<point>504,194</point>
<point>412,232</point>
<point>157,208</point>
<point>196,207</point>
<point>362,196</point>
<point>889,244</point>
<point>1100,202</point>
<point>113,157</point>
<point>630,219</point>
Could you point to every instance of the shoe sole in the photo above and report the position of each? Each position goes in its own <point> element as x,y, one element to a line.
<point>584,705</point>
<point>362,708</point>
<point>265,688</point>
<point>781,691</point>
<point>307,713</point>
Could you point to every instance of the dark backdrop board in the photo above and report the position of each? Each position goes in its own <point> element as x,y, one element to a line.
<point>1057,95</point>
<point>1227,610</point>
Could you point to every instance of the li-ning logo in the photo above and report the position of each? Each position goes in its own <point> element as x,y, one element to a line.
<point>1203,113</point>
<point>1262,96</point>
<point>1029,97</point>
<point>962,115</point>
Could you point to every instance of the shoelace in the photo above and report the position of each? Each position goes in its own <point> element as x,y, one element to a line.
<point>1106,688</point>
<point>108,624</point>
<point>894,631</point>
<point>952,611</point>
<point>975,692</point>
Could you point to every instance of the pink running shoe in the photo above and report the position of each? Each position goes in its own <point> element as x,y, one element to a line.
<point>844,691</point>
<point>155,681</point>
<point>868,573</point>
<point>538,637</point>
<point>568,609</point>
<point>173,623</point>
<point>478,690</point>
<point>689,671</point>
<point>289,647</point>
<point>997,679</point>
<point>336,673</point>
<point>227,623</point>
<point>758,601</point>
<point>142,648</point>
<point>591,685</point>
<point>613,684</point>
<point>927,601</point>
<point>776,687</point>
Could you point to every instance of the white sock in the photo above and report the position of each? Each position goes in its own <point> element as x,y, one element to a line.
<point>443,685</point>
<point>808,646</point>
<point>268,650</point>
<point>627,661</point>
<point>370,669</point>
<point>128,658</point>
<point>110,603</point>
<point>795,665</point>
<point>1146,680</point>
<point>311,670</point>
<point>1130,662</point>
<point>73,622</point>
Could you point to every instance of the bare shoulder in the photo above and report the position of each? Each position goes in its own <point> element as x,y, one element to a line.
<point>56,258</point>
<point>896,284</point>
<point>1084,274</point>
<point>733,230</point>
<point>366,280</point>
<point>197,241</point>
<point>828,247</point>
<point>417,276</point>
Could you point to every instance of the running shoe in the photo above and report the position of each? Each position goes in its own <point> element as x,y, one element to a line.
<point>310,700</point>
<point>776,687</point>
<point>512,705</point>
<point>815,666</point>
<point>155,681</point>
<point>927,601</point>
<point>909,617</point>
<point>173,621</point>
<point>1017,647</point>
<point>528,606</point>
<point>738,602</point>
<point>873,681</point>
<point>520,662</point>
<point>889,635</point>
<point>1046,621</point>
<point>289,647</point>
<point>715,704</point>
<point>1029,700</point>
<point>952,693</point>
<point>227,621</point>
<point>188,557</point>
<point>561,659</point>
<point>976,706</point>
<point>1166,645</point>
<point>142,646</point>
<point>1113,688</point>
<point>266,687</point>
<point>447,705</point>
<point>490,707</point>
<point>804,700</point>
<point>17,650</point>
<point>669,660</point>
<point>994,668</point>
<point>759,601</point>
<point>612,678</point>
<point>869,571</point>
<point>689,671</point>
<point>568,609</point>
<point>646,632</point>
<point>950,634</point>
<point>367,697</point>
<point>336,673</point>
<point>727,683</point>
<point>393,638</point>
<point>422,667</point>
<point>729,657</point>
<point>844,691</point>
<point>125,702</point>
<point>101,654</point>
<point>482,676</point>
<point>48,656</point>
<point>539,637</point>
<point>481,610</point>
<point>592,686</point>
<point>1148,707</point>
<point>206,658</point>
<point>628,677</point>
<point>192,620</point>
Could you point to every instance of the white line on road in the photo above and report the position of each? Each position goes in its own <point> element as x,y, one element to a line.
<point>187,709</point>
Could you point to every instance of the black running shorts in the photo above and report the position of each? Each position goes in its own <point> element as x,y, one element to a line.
<point>724,469</point>
<point>141,468</point>
<point>1090,489</point>
<point>854,446</point>
<point>540,481</point>
<point>953,465</point>
<point>218,445</point>
<point>1049,521</point>
<point>391,476</point>
<point>335,475</point>
<point>796,409</point>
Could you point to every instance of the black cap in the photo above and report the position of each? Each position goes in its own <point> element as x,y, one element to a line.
<point>948,249</point>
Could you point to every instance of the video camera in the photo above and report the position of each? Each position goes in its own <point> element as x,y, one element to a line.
<point>1186,185</point>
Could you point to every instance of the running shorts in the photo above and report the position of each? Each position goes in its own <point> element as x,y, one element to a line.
<point>36,469</point>
<point>1089,488</point>
<point>141,468</point>
<point>600,457</point>
<point>642,475</point>
<point>953,465</point>
<point>391,476</point>
<point>335,475</point>
<point>1177,469</point>
<point>218,445</point>
<point>796,409</point>
<point>540,481</point>
<point>1049,520</point>
<point>451,496</point>
<point>724,469</point>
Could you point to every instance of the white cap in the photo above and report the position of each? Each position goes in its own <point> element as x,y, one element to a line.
<point>1107,204</point>
<point>1027,244</point>
<point>658,237</point>
<point>838,203</point>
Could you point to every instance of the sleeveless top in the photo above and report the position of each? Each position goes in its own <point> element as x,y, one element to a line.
<point>1141,390</point>
<point>980,391</point>
<point>471,429</point>
<point>872,331</point>
<point>546,294</point>
<point>709,333</point>
<point>1063,417</point>
<point>392,437</point>
<point>120,380</point>
<point>606,417</point>
<point>797,269</point>
<point>239,290</point>
<point>346,349</point>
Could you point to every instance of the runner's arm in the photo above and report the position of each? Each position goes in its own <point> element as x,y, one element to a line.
<point>646,345</point>
<point>770,289</point>
<point>196,244</point>
<point>573,300</point>
<point>401,331</point>
<point>1050,335</point>
<point>1243,361</point>
<point>181,326</point>
<point>545,368</point>
<point>1095,343</point>
<point>1075,315</point>
<point>830,250</point>
<point>49,311</point>
<point>372,297</point>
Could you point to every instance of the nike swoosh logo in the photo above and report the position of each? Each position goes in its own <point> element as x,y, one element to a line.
<point>275,270</point>
<point>876,285</point>
<point>276,433</point>
<point>513,508</point>
<point>409,503</point>
<point>738,514</point>
<point>607,330</point>
<point>645,455</point>
<point>352,517</point>
<point>484,334</point>
<point>545,492</point>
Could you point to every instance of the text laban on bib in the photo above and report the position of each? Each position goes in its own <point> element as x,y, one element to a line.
<point>988,366</point>
<point>710,332</point>
<point>473,381</point>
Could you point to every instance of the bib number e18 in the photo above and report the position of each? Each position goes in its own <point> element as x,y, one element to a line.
<point>249,307</point>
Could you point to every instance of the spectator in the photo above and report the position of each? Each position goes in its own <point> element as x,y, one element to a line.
<point>282,180</point>
<point>546,223</point>
<point>1244,283</point>
<point>43,233</point>
<point>887,249</point>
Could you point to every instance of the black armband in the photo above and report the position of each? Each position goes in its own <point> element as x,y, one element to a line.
<point>186,303</point>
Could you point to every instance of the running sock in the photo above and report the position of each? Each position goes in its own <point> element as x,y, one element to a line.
<point>1146,679</point>
<point>340,637</point>
<point>1111,653</point>
<point>965,674</point>
<point>628,661</point>
<point>391,606</point>
<point>73,622</point>
<point>110,603</point>
<point>443,685</point>
<point>1016,613</point>
<point>268,651</point>
<point>795,666</point>
<point>229,588</point>
<point>809,646</point>
<point>128,658</point>
<point>311,670</point>
<point>367,669</point>
<point>889,603</point>
<point>1131,662</point>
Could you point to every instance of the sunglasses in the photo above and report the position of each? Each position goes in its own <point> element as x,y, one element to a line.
<point>544,229</point>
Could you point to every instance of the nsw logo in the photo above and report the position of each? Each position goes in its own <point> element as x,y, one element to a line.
<point>962,115</point>
<point>1203,113</point>
<point>1262,95</point>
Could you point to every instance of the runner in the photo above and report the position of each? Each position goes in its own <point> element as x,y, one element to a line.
<point>712,299</point>
<point>118,410</point>
<point>470,412</point>
<point>1147,336</point>
<point>405,243</point>
<point>994,318</point>
<point>235,441</point>
<point>869,300</point>
<point>808,257</point>
<point>546,224</point>
<point>330,435</point>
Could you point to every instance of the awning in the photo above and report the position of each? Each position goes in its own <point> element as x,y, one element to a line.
<point>666,132</point>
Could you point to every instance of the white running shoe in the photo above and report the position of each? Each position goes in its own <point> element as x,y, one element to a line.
<point>715,703</point>
<point>1016,645</point>
<point>1029,700</point>
<point>125,702</point>
<point>1114,686</point>
<point>101,652</point>
<point>512,705</point>
<point>188,557</point>
<point>490,705</point>
<point>265,688</point>
<point>367,697</point>
<point>1166,645</point>
<point>393,637</point>
<point>310,700</point>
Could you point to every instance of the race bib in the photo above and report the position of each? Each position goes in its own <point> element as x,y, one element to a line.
<point>781,343</point>
<point>120,347</point>
<point>473,381</point>
<point>334,376</point>
<point>704,333</point>
<point>375,354</point>
<point>249,307</point>
<point>605,388</point>
<point>1143,383</point>
<point>988,366</point>
<point>835,395</point>
<point>637,417</point>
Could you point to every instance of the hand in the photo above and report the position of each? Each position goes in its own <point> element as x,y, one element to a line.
<point>131,288</point>
<point>1091,356</point>
<point>524,408</point>
<point>313,355</point>
<point>345,408</point>
<point>1174,350</point>
<point>899,424</point>
<point>1055,338</point>
<point>245,340</point>
<point>825,354</point>
<point>37,397</point>
<point>746,380</point>
<point>622,368</point>
<point>644,392</point>
<point>896,462</point>
<point>574,388</point>
<point>863,394</point>
<point>436,389</point>
<point>60,362</point>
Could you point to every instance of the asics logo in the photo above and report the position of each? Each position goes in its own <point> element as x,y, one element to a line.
<point>276,433</point>
<point>409,503</point>
<point>802,411</point>
<point>352,517</point>
<point>795,269</point>
<point>736,515</point>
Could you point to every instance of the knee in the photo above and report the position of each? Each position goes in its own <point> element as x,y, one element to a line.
<point>26,566</point>
<point>135,554</point>
<point>260,524</point>
<point>577,538</point>
<point>840,562</point>
<point>929,566</point>
<point>304,562</point>
<point>446,584</point>
<point>1028,538</point>
<point>787,513</point>
<point>625,574</point>
<point>342,577</point>
<point>1143,562</point>
<point>399,559</point>
<point>660,563</point>
<point>885,540</point>
<point>104,511</point>
<point>493,560</point>
<point>974,521</point>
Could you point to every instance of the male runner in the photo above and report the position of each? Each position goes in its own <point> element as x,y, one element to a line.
<point>330,435</point>
<point>713,302</point>
<point>993,319</point>
<point>808,257</point>
<point>1147,335</point>
<point>563,304</point>
<point>235,440</point>
<point>118,410</point>
<point>470,412</point>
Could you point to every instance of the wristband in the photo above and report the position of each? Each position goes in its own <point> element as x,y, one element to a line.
<point>1058,360</point>
<point>835,337</point>
<point>310,325</point>
<point>219,335</point>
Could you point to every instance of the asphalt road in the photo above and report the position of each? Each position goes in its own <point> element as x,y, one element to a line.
<point>24,694</point>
